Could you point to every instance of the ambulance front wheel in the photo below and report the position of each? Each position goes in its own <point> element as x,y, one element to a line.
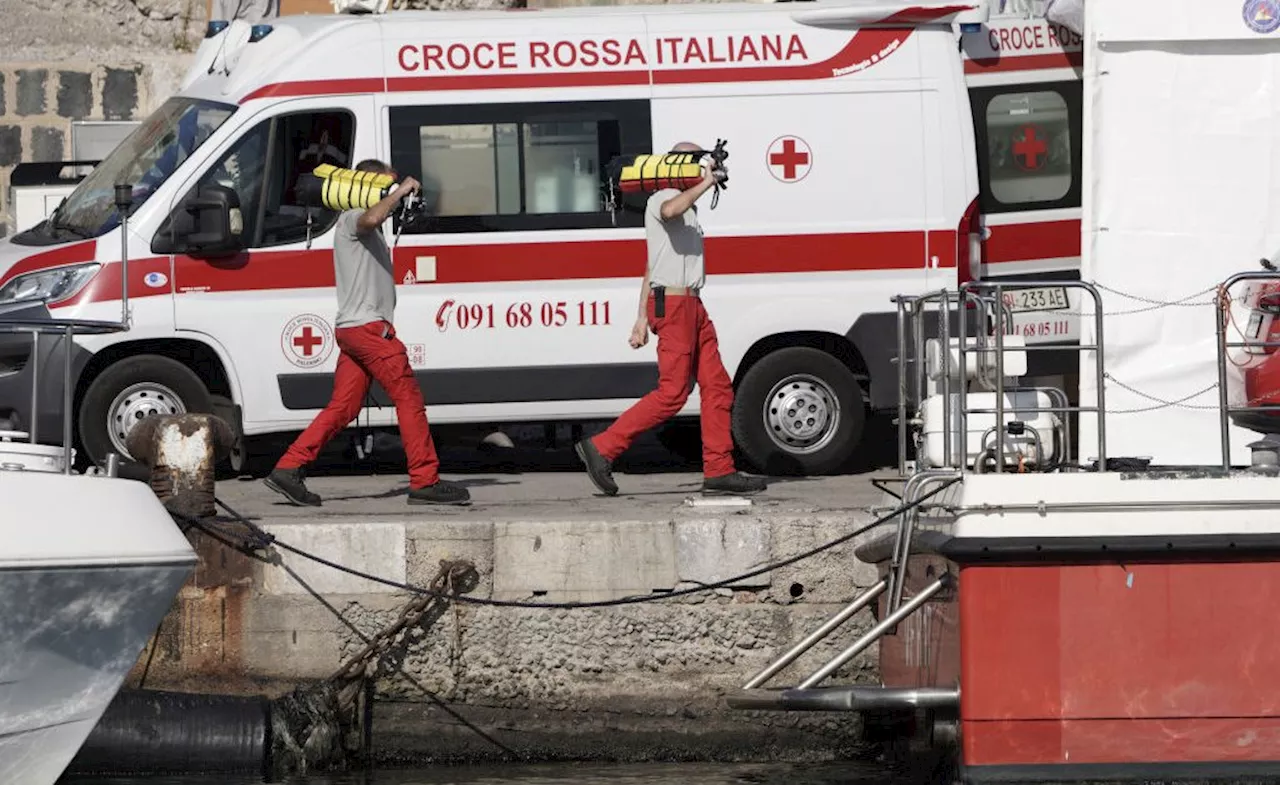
<point>798,411</point>
<point>131,390</point>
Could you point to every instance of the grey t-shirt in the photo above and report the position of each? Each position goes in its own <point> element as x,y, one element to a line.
<point>675,246</point>
<point>365,277</point>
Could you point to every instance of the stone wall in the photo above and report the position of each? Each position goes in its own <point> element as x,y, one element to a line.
<point>632,683</point>
<point>40,100</point>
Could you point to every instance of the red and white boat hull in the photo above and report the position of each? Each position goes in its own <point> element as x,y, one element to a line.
<point>1103,644</point>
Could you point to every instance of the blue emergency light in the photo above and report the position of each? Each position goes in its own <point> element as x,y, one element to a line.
<point>215,26</point>
<point>971,27</point>
<point>259,32</point>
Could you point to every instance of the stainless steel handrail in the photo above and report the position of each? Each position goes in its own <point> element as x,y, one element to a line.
<point>67,328</point>
<point>914,307</point>
<point>1097,347</point>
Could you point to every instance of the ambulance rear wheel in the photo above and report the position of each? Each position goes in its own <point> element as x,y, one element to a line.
<point>798,411</point>
<point>128,392</point>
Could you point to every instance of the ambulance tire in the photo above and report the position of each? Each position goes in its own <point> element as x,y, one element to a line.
<point>143,372</point>
<point>806,372</point>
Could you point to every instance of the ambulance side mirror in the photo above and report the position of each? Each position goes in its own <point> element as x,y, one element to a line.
<point>206,226</point>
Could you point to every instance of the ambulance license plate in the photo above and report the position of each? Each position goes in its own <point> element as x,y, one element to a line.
<point>1052,298</point>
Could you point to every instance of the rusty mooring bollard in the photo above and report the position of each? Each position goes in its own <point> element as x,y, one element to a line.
<point>181,452</point>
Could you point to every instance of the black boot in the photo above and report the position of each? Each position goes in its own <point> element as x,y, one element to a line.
<point>598,468</point>
<point>443,492</point>
<point>736,484</point>
<point>289,484</point>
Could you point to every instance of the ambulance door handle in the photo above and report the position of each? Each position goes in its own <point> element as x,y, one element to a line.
<point>986,233</point>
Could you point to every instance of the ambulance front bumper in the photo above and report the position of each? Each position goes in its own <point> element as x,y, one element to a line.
<point>22,402</point>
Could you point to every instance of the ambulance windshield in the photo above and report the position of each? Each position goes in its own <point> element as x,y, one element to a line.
<point>146,158</point>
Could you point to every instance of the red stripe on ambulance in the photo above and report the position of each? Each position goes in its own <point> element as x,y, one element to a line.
<point>75,253</point>
<point>1025,63</point>
<point>1030,241</point>
<point>516,262</point>
<point>266,270</point>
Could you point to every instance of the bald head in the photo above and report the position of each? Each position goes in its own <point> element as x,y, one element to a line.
<point>686,147</point>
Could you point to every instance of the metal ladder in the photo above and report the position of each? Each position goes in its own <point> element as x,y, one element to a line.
<point>807,695</point>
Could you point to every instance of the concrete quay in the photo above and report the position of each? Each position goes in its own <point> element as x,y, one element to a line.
<point>636,682</point>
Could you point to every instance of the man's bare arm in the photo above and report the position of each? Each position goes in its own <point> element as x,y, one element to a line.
<point>677,205</point>
<point>643,314</point>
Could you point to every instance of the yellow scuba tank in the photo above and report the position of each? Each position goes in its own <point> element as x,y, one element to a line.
<point>348,189</point>
<point>653,172</point>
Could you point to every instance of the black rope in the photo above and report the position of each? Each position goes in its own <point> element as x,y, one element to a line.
<point>262,539</point>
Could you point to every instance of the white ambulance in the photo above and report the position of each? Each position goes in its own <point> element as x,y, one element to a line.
<point>875,148</point>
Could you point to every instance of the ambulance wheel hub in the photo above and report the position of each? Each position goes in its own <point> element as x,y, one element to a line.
<point>134,404</point>
<point>802,413</point>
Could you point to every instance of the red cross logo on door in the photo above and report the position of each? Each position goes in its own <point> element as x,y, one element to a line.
<point>1030,148</point>
<point>307,340</point>
<point>789,159</point>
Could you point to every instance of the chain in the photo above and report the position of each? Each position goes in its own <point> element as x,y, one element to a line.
<point>1151,304</point>
<point>1160,403</point>
<point>1181,403</point>
<point>448,582</point>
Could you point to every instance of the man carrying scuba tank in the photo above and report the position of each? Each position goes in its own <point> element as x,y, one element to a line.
<point>369,349</point>
<point>688,350</point>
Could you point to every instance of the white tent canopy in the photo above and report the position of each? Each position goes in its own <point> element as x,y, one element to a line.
<point>1182,190</point>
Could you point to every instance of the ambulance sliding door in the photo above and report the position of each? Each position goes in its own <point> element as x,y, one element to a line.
<point>272,308</point>
<point>518,288</point>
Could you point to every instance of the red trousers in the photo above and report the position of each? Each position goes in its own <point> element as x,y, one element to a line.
<point>368,352</point>
<point>687,352</point>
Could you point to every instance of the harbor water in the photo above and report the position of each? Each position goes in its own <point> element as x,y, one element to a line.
<point>565,774</point>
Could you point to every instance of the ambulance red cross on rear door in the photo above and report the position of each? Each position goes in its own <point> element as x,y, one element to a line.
<point>789,159</point>
<point>1030,148</point>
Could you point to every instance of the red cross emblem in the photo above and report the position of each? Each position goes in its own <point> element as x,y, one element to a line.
<point>789,158</point>
<point>307,340</point>
<point>1030,150</point>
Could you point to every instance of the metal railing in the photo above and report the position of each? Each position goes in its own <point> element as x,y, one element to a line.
<point>1099,409</point>
<point>915,308</point>
<point>991,310</point>
<point>68,329</point>
<point>1222,315</point>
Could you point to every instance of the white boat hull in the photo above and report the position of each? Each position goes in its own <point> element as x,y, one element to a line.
<point>88,569</point>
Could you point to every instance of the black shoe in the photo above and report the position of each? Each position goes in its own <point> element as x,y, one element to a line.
<point>289,484</point>
<point>736,484</point>
<point>443,492</point>
<point>598,468</point>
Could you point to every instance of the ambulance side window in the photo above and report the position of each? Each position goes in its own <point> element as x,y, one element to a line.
<point>1029,145</point>
<point>263,168</point>
<point>516,167</point>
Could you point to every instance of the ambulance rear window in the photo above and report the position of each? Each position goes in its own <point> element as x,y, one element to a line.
<point>1028,146</point>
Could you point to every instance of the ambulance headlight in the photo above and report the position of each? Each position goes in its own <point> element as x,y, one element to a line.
<point>49,285</point>
<point>216,26</point>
